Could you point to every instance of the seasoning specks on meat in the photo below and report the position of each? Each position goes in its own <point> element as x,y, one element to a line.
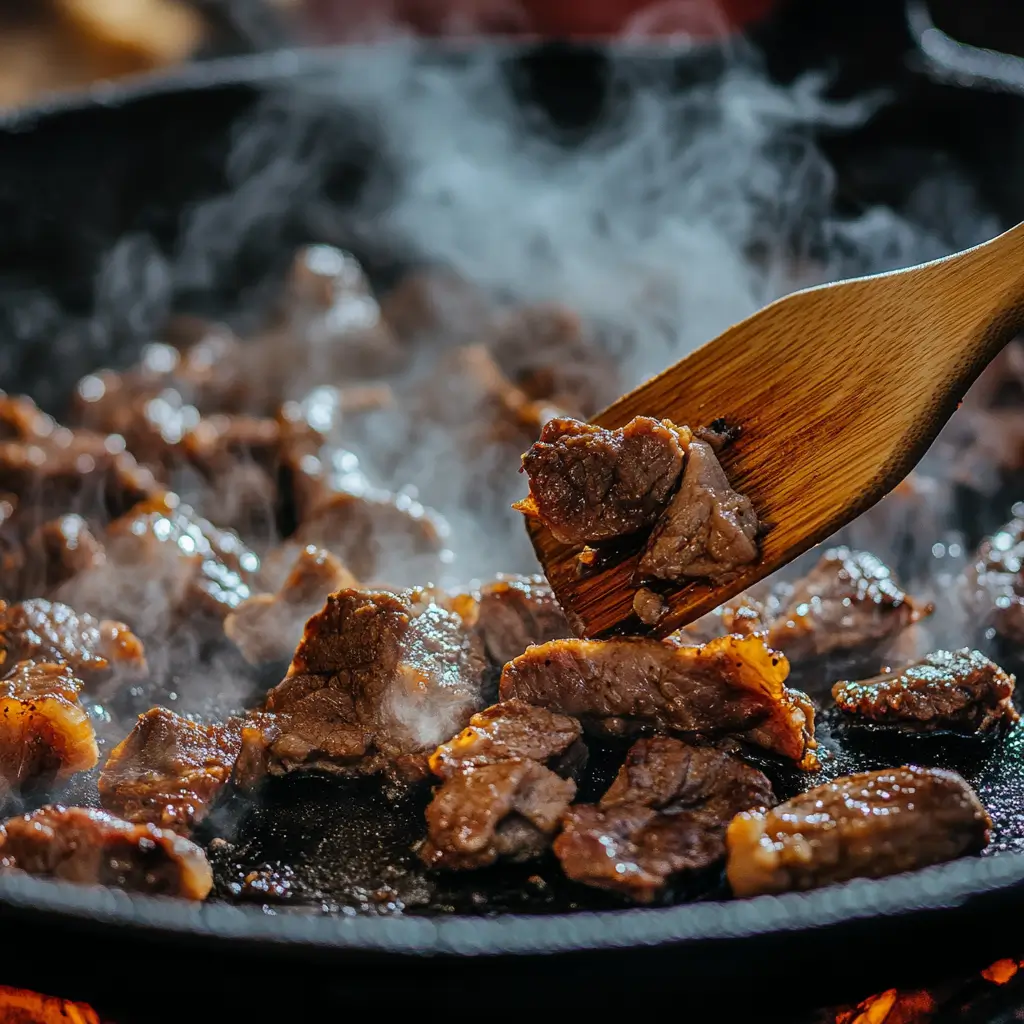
<point>731,686</point>
<point>508,810</point>
<point>708,530</point>
<point>955,690</point>
<point>665,813</point>
<point>92,847</point>
<point>507,731</point>
<point>45,733</point>
<point>168,770</point>
<point>591,484</point>
<point>861,826</point>
<point>373,686</point>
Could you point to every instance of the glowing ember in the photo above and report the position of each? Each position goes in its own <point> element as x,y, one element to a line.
<point>1001,971</point>
<point>891,1007</point>
<point>19,1006</point>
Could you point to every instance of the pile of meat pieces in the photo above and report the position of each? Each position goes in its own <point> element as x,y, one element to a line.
<point>589,485</point>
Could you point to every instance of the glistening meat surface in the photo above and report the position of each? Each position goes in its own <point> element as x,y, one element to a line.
<point>733,686</point>
<point>665,813</point>
<point>861,826</point>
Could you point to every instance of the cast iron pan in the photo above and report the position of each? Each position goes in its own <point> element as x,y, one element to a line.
<point>78,177</point>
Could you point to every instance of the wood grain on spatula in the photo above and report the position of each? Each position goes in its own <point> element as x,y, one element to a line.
<point>838,390</point>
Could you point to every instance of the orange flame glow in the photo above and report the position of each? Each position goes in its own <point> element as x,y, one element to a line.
<point>19,1006</point>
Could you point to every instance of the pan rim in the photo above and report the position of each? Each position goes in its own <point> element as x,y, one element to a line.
<point>940,888</point>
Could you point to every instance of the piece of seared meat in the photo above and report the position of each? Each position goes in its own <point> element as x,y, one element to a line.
<point>65,547</point>
<point>849,601</point>
<point>649,607</point>
<point>91,847</point>
<point>504,811</point>
<point>589,484</point>
<point>375,685</point>
<point>436,304</point>
<point>549,354</point>
<point>665,813</point>
<point>732,686</point>
<point>511,730</point>
<point>45,733</point>
<point>708,530</point>
<point>55,470</point>
<point>100,653</point>
<point>166,565</point>
<point>959,691</point>
<point>994,583</point>
<point>268,627</point>
<point>516,611</point>
<point>380,536</point>
<point>862,826</point>
<point>169,770</point>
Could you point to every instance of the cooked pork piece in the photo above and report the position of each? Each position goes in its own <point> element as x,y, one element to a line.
<point>708,530</point>
<point>995,582</point>
<point>666,812</point>
<point>268,627</point>
<point>732,686</point>
<point>862,826</point>
<point>45,733</point>
<point>516,611</point>
<point>379,536</point>
<point>55,470</point>
<point>961,691</point>
<point>96,651</point>
<point>590,484</point>
<point>169,770</point>
<point>503,811</point>
<point>650,608</point>
<point>66,546</point>
<point>374,685</point>
<point>508,731</point>
<point>165,564</point>
<point>91,847</point>
<point>547,353</point>
<point>850,600</point>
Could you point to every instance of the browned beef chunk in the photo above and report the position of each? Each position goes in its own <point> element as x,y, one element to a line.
<point>708,530</point>
<point>850,600</point>
<point>55,470</point>
<point>379,536</point>
<point>268,627</point>
<point>957,690</point>
<point>665,813</point>
<point>165,565</point>
<point>374,685</point>
<point>649,607</point>
<point>45,733</point>
<point>436,304</point>
<point>14,561</point>
<point>995,583</point>
<point>516,611</point>
<point>504,811</point>
<point>91,847</point>
<point>65,547</point>
<point>511,730</point>
<point>590,484</point>
<point>331,327</point>
<point>168,770</point>
<point>861,826</point>
<point>547,353</point>
<point>96,651</point>
<point>732,686</point>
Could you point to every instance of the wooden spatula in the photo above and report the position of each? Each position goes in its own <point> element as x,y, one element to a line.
<point>838,391</point>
